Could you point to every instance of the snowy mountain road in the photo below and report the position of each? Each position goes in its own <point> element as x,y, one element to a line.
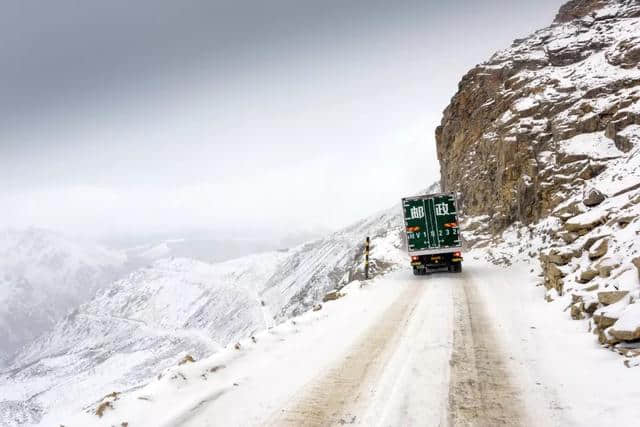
<point>480,390</point>
<point>481,348</point>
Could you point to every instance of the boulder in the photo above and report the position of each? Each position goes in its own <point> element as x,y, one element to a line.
<point>605,266</point>
<point>627,328</point>
<point>591,240</point>
<point>593,197</point>
<point>317,307</point>
<point>559,258</point>
<point>603,321</point>
<point>587,275</point>
<point>585,222</point>
<point>568,237</point>
<point>599,249</point>
<point>606,316</point>
<point>611,297</point>
<point>605,337</point>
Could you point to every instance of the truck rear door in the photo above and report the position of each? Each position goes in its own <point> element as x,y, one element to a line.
<point>431,222</point>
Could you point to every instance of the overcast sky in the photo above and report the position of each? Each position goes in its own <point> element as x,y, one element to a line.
<point>162,115</point>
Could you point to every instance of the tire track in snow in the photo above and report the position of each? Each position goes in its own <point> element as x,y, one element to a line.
<point>480,390</point>
<point>330,399</point>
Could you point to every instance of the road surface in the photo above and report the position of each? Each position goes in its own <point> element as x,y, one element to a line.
<point>431,314</point>
<point>480,348</point>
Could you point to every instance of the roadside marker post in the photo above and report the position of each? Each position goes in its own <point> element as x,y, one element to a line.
<point>366,259</point>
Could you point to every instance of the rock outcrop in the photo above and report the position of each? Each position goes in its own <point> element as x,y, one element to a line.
<point>542,144</point>
<point>530,126</point>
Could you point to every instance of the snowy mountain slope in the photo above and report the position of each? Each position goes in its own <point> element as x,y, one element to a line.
<point>137,327</point>
<point>42,276</point>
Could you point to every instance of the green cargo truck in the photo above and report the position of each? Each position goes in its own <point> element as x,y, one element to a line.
<point>433,235</point>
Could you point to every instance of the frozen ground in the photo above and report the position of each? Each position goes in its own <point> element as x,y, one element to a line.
<point>480,347</point>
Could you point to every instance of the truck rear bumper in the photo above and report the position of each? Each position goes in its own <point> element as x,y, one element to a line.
<point>441,260</point>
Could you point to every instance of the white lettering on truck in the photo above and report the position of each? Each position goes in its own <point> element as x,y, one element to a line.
<point>417,212</point>
<point>442,209</point>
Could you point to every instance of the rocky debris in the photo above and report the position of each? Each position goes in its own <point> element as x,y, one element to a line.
<point>237,346</point>
<point>332,296</point>
<point>593,197</point>
<point>599,249</point>
<point>317,307</point>
<point>611,297</point>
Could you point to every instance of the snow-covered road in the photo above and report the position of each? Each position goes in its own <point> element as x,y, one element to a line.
<point>477,348</point>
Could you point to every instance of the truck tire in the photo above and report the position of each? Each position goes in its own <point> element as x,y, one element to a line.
<point>457,267</point>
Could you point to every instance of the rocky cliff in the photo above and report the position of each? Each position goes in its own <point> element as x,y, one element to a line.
<point>502,140</point>
<point>542,142</point>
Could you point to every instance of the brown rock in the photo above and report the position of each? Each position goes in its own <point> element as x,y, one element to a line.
<point>560,258</point>
<point>331,296</point>
<point>605,267</point>
<point>599,249</point>
<point>568,237</point>
<point>579,226</point>
<point>591,306</point>
<point>603,321</point>
<point>605,337</point>
<point>626,335</point>
<point>317,307</point>
<point>587,275</point>
<point>636,262</point>
<point>576,311</point>
<point>611,297</point>
<point>591,240</point>
<point>593,197</point>
<point>553,271</point>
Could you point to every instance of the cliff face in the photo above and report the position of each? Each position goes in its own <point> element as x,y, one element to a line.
<point>509,140</point>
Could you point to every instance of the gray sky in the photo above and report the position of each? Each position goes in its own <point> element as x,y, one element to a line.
<point>162,115</point>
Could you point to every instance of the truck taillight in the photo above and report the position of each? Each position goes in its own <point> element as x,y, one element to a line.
<point>457,254</point>
<point>414,258</point>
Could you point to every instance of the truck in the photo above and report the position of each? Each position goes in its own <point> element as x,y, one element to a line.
<point>432,233</point>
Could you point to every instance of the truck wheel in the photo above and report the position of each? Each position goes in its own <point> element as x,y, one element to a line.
<point>457,267</point>
<point>416,272</point>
